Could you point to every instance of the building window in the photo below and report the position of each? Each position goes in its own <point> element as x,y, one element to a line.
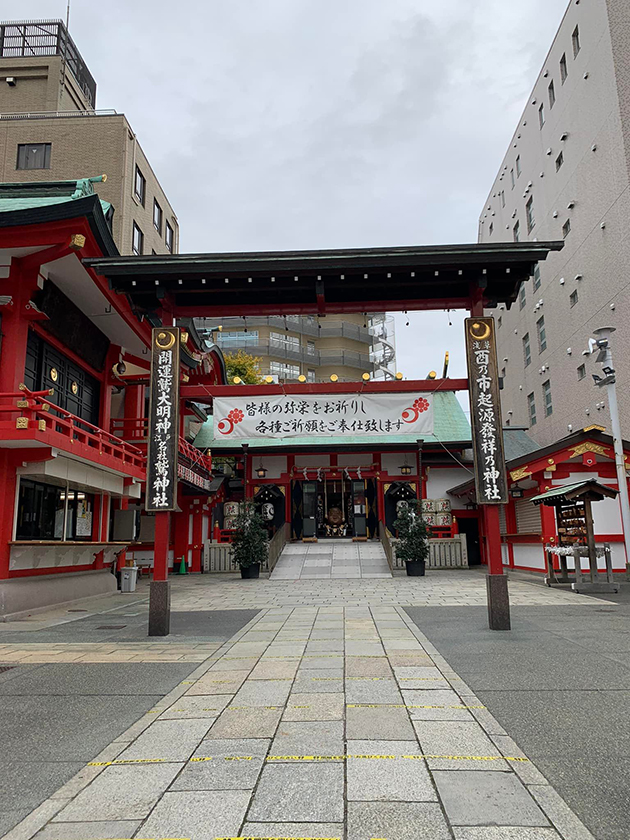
<point>522,297</point>
<point>310,376</point>
<point>140,186</point>
<point>537,279</point>
<point>516,232</point>
<point>157,217</point>
<point>33,156</point>
<point>575,40</point>
<point>284,371</point>
<point>236,338</point>
<point>531,408</point>
<point>512,178</point>
<point>559,161</point>
<point>581,372</point>
<point>546,389</point>
<point>290,342</point>
<point>542,335</point>
<point>310,348</point>
<point>518,166</point>
<point>566,228</point>
<point>137,240</point>
<point>168,237</point>
<point>552,94</point>
<point>573,298</point>
<point>563,68</point>
<point>529,212</point>
<point>541,115</point>
<point>527,350</point>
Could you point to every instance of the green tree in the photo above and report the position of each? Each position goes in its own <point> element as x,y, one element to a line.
<point>245,366</point>
<point>413,538</point>
<point>250,541</point>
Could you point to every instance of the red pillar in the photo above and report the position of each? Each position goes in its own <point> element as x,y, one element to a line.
<point>8,480</point>
<point>197,538</point>
<point>113,354</point>
<point>161,546</point>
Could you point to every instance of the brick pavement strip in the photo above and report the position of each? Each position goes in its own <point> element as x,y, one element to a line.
<point>277,735</point>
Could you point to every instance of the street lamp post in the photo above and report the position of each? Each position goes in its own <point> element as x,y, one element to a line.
<point>609,382</point>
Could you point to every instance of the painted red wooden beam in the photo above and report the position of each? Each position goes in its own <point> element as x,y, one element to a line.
<point>403,386</point>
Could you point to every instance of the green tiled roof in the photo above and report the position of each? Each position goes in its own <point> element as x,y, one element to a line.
<point>450,425</point>
<point>32,195</point>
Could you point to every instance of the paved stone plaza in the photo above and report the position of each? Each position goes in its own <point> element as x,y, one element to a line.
<point>328,715</point>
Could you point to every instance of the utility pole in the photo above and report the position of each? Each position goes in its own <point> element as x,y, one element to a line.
<point>609,381</point>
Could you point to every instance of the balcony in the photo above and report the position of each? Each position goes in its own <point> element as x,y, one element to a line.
<point>29,419</point>
<point>276,350</point>
<point>302,324</point>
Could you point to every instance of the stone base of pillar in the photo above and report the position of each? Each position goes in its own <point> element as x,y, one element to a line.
<point>160,608</point>
<point>498,602</point>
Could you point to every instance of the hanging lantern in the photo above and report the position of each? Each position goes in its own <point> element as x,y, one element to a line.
<point>261,472</point>
<point>405,469</point>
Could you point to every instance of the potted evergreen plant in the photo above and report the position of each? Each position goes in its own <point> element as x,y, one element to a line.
<point>413,538</point>
<point>250,542</point>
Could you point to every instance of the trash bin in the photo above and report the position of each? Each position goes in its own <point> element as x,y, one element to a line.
<point>128,578</point>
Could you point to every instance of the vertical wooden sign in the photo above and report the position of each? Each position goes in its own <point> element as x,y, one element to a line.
<point>485,412</point>
<point>162,449</point>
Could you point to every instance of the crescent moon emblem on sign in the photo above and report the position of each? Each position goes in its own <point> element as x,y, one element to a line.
<point>485,331</point>
<point>165,340</point>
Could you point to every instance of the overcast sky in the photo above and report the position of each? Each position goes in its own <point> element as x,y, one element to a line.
<point>285,124</point>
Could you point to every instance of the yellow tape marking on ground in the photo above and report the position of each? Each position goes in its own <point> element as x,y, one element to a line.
<point>241,708</point>
<point>314,758</point>
<point>405,706</point>
<point>188,682</point>
<point>251,837</point>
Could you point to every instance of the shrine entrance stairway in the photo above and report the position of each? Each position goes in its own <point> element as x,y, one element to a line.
<point>333,560</point>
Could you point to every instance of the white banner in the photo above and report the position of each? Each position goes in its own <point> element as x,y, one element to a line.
<point>323,416</point>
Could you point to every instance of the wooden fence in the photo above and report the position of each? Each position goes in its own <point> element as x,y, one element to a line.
<point>217,557</point>
<point>443,554</point>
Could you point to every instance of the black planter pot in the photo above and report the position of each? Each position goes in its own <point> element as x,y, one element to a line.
<point>248,572</point>
<point>415,568</point>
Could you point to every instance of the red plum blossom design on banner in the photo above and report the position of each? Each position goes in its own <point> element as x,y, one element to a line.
<point>226,427</point>
<point>410,415</point>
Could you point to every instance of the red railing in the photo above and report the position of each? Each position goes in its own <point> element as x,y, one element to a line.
<point>32,411</point>
<point>194,455</point>
<point>131,428</point>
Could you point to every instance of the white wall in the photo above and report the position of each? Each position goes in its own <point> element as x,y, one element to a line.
<point>274,464</point>
<point>441,481</point>
<point>359,459</point>
<point>529,556</point>
<point>312,460</point>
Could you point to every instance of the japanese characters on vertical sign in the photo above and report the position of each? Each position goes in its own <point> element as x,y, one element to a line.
<point>163,421</point>
<point>485,411</point>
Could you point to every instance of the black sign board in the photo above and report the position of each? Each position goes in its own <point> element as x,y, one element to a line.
<point>485,411</point>
<point>163,441</point>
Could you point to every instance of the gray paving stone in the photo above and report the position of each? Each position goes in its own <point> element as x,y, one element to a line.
<point>331,831</point>
<point>559,812</point>
<point>89,830</point>
<point>459,738</point>
<point>245,663</point>
<point>246,723</point>
<point>445,698</point>
<point>363,648</point>
<point>379,724</point>
<point>275,669</point>
<point>320,681</point>
<point>299,792</point>
<point>172,740</point>
<point>198,815</point>
<point>309,738</point>
<point>224,771</point>
<point>263,693</point>
<point>367,666</point>
<point>326,661</point>
<point>215,682</point>
<point>197,706</point>
<point>389,779</point>
<point>405,673</point>
<point>409,659</point>
<point>121,793</point>
<point>488,798</point>
<point>327,645</point>
<point>505,833</point>
<point>372,690</point>
<point>315,706</point>
<point>396,820</point>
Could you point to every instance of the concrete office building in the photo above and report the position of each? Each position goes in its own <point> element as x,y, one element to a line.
<point>314,347</point>
<point>566,175</point>
<point>51,131</point>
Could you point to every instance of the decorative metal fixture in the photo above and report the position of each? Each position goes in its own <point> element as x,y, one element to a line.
<point>261,472</point>
<point>54,375</point>
<point>517,492</point>
<point>405,468</point>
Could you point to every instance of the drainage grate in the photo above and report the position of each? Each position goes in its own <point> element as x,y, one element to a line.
<point>111,627</point>
<point>4,668</point>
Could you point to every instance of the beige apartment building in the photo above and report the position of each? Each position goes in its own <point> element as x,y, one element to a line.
<point>566,176</point>
<point>50,130</point>
<point>346,346</point>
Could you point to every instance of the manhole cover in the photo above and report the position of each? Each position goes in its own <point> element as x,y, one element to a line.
<point>4,668</point>
<point>111,627</point>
